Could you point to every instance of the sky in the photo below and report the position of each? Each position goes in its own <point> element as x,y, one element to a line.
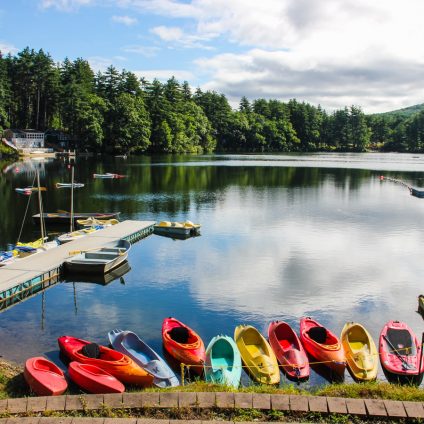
<point>332,53</point>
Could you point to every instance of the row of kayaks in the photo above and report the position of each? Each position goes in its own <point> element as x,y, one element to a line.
<point>99,369</point>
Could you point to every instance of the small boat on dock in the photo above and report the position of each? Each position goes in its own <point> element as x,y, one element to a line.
<point>116,363</point>
<point>322,344</point>
<point>44,377</point>
<point>143,355</point>
<point>223,362</point>
<point>69,185</point>
<point>63,218</point>
<point>89,222</point>
<point>400,354</point>
<point>75,235</point>
<point>93,379</point>
<point>289,350</point>
<point>183,344</point>
<point>186,228</point>
<point>98,261</point>
<point>360,351</point>
<point>257,355</point>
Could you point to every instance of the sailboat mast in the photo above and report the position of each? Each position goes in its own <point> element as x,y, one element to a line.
<point>72,199</point>
<point>40,207</point>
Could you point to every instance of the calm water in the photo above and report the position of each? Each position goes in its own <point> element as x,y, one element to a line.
<point>283,236</point>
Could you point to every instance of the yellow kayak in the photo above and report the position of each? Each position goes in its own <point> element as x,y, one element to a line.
<point>361,352</point>
<point>257,355</point>
<point>94,221</point>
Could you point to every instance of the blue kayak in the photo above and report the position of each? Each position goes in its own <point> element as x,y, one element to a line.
<point>223,362</point>
<point>144,356</point>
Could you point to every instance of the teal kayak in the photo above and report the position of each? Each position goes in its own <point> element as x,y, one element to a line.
<point>223,362</point>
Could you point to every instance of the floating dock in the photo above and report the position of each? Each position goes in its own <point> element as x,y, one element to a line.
<point>27,276</point>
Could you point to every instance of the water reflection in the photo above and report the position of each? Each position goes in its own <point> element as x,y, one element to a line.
<point>278,242</point>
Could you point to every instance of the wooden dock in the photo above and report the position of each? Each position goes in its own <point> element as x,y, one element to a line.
<point>27,276</point>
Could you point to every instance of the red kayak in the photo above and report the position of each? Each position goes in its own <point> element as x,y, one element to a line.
<point>119,365</point>
<point>182,343</point>
<point>400,353</point>
<point>93,379</point>
<point>44,377</point>
<point>322,344</point>
<point>288,350</point>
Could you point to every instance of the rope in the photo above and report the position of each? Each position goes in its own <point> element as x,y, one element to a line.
<point>26,211</point>
<point>394,180</point>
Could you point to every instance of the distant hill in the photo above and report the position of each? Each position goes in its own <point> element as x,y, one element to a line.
<point>405,112</point>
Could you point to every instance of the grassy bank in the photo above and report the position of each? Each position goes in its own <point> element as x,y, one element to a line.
<point>12,384</point>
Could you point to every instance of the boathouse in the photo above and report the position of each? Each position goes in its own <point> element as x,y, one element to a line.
<point>25,139</point>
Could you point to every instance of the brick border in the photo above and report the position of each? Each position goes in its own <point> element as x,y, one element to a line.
<point>207,400</point>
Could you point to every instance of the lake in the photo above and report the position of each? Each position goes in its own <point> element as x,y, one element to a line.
<point>283,236</point>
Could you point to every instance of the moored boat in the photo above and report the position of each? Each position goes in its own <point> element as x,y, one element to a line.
<point>93,379</point>
<point>400,353</point>
<point>109,175</point>
<point>29,190</point>
<point>186,228</point>
<point>69,185</point>
<point>89,222</point>
<point>116,363</point>
<point>289,350</point>
<point>44,377</point>
<point>257,355</point>
<point>183,344</point>
<point>223,362</point>
<point>63,218</point>
<point>360,352</point>
<point>421,304</point>
<point>143,355</point>
<point>97,261</point>
<point>322,344</point>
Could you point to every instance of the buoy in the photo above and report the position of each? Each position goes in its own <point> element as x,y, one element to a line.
<point>381,177</point>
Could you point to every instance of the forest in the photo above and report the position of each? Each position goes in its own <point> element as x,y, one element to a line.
<point>117,112</point>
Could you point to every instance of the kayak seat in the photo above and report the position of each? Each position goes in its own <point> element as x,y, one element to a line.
<point>91,350</point>
<point>285,344</point>
<point>318,334</point>
<point>401,340</point>
<point>179,334</point>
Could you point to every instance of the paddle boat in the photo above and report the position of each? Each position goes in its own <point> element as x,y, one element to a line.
<point>143,355</point>
<point>97,261</point>
<point>322,344</point>
<point>257,355</point>
<point>93,379</point>
<point>360,352</point>
<point>223,362</point>
<point>400,353</point>
<point>186,228</point>
<point>109,175</point>
<point>116,363</point>
<point>183,344</point>
<point>44,377</point>
<point>69,185</point>
<point>289,350</point>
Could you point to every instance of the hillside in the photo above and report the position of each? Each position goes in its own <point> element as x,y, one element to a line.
<point>405,112</point>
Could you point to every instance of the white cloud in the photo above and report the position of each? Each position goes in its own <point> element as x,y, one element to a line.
<point>147,51</point>
<point>6,48</point>
<point>125,20</point>
<point>165,74</point>
<point>65,5</point>
<point>176,36</point>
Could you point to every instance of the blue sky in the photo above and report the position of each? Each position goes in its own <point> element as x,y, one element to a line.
<point>328,52</point>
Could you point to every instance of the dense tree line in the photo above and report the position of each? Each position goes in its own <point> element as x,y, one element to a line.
<point>117,112</point>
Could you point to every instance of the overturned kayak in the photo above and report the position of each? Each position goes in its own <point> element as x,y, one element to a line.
<point>289,350</point>
<point>257,355</point>
<point>44,377</point>
<point>223,362</point>
<point>143,355</point>
<point>360,351</point>
<point>69,185</point>
<point>93,379</point>
<point>116,363</point>
<point>322,344</point>
<point>109,175</point>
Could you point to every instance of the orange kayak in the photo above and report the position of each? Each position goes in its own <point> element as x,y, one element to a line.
<point>119,365</point>
<point>322,344</point>
<point>183,343</point>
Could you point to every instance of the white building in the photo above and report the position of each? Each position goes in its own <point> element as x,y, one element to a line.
<point>25,139</point>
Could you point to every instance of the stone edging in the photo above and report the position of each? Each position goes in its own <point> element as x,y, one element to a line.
<point>226,400</point>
